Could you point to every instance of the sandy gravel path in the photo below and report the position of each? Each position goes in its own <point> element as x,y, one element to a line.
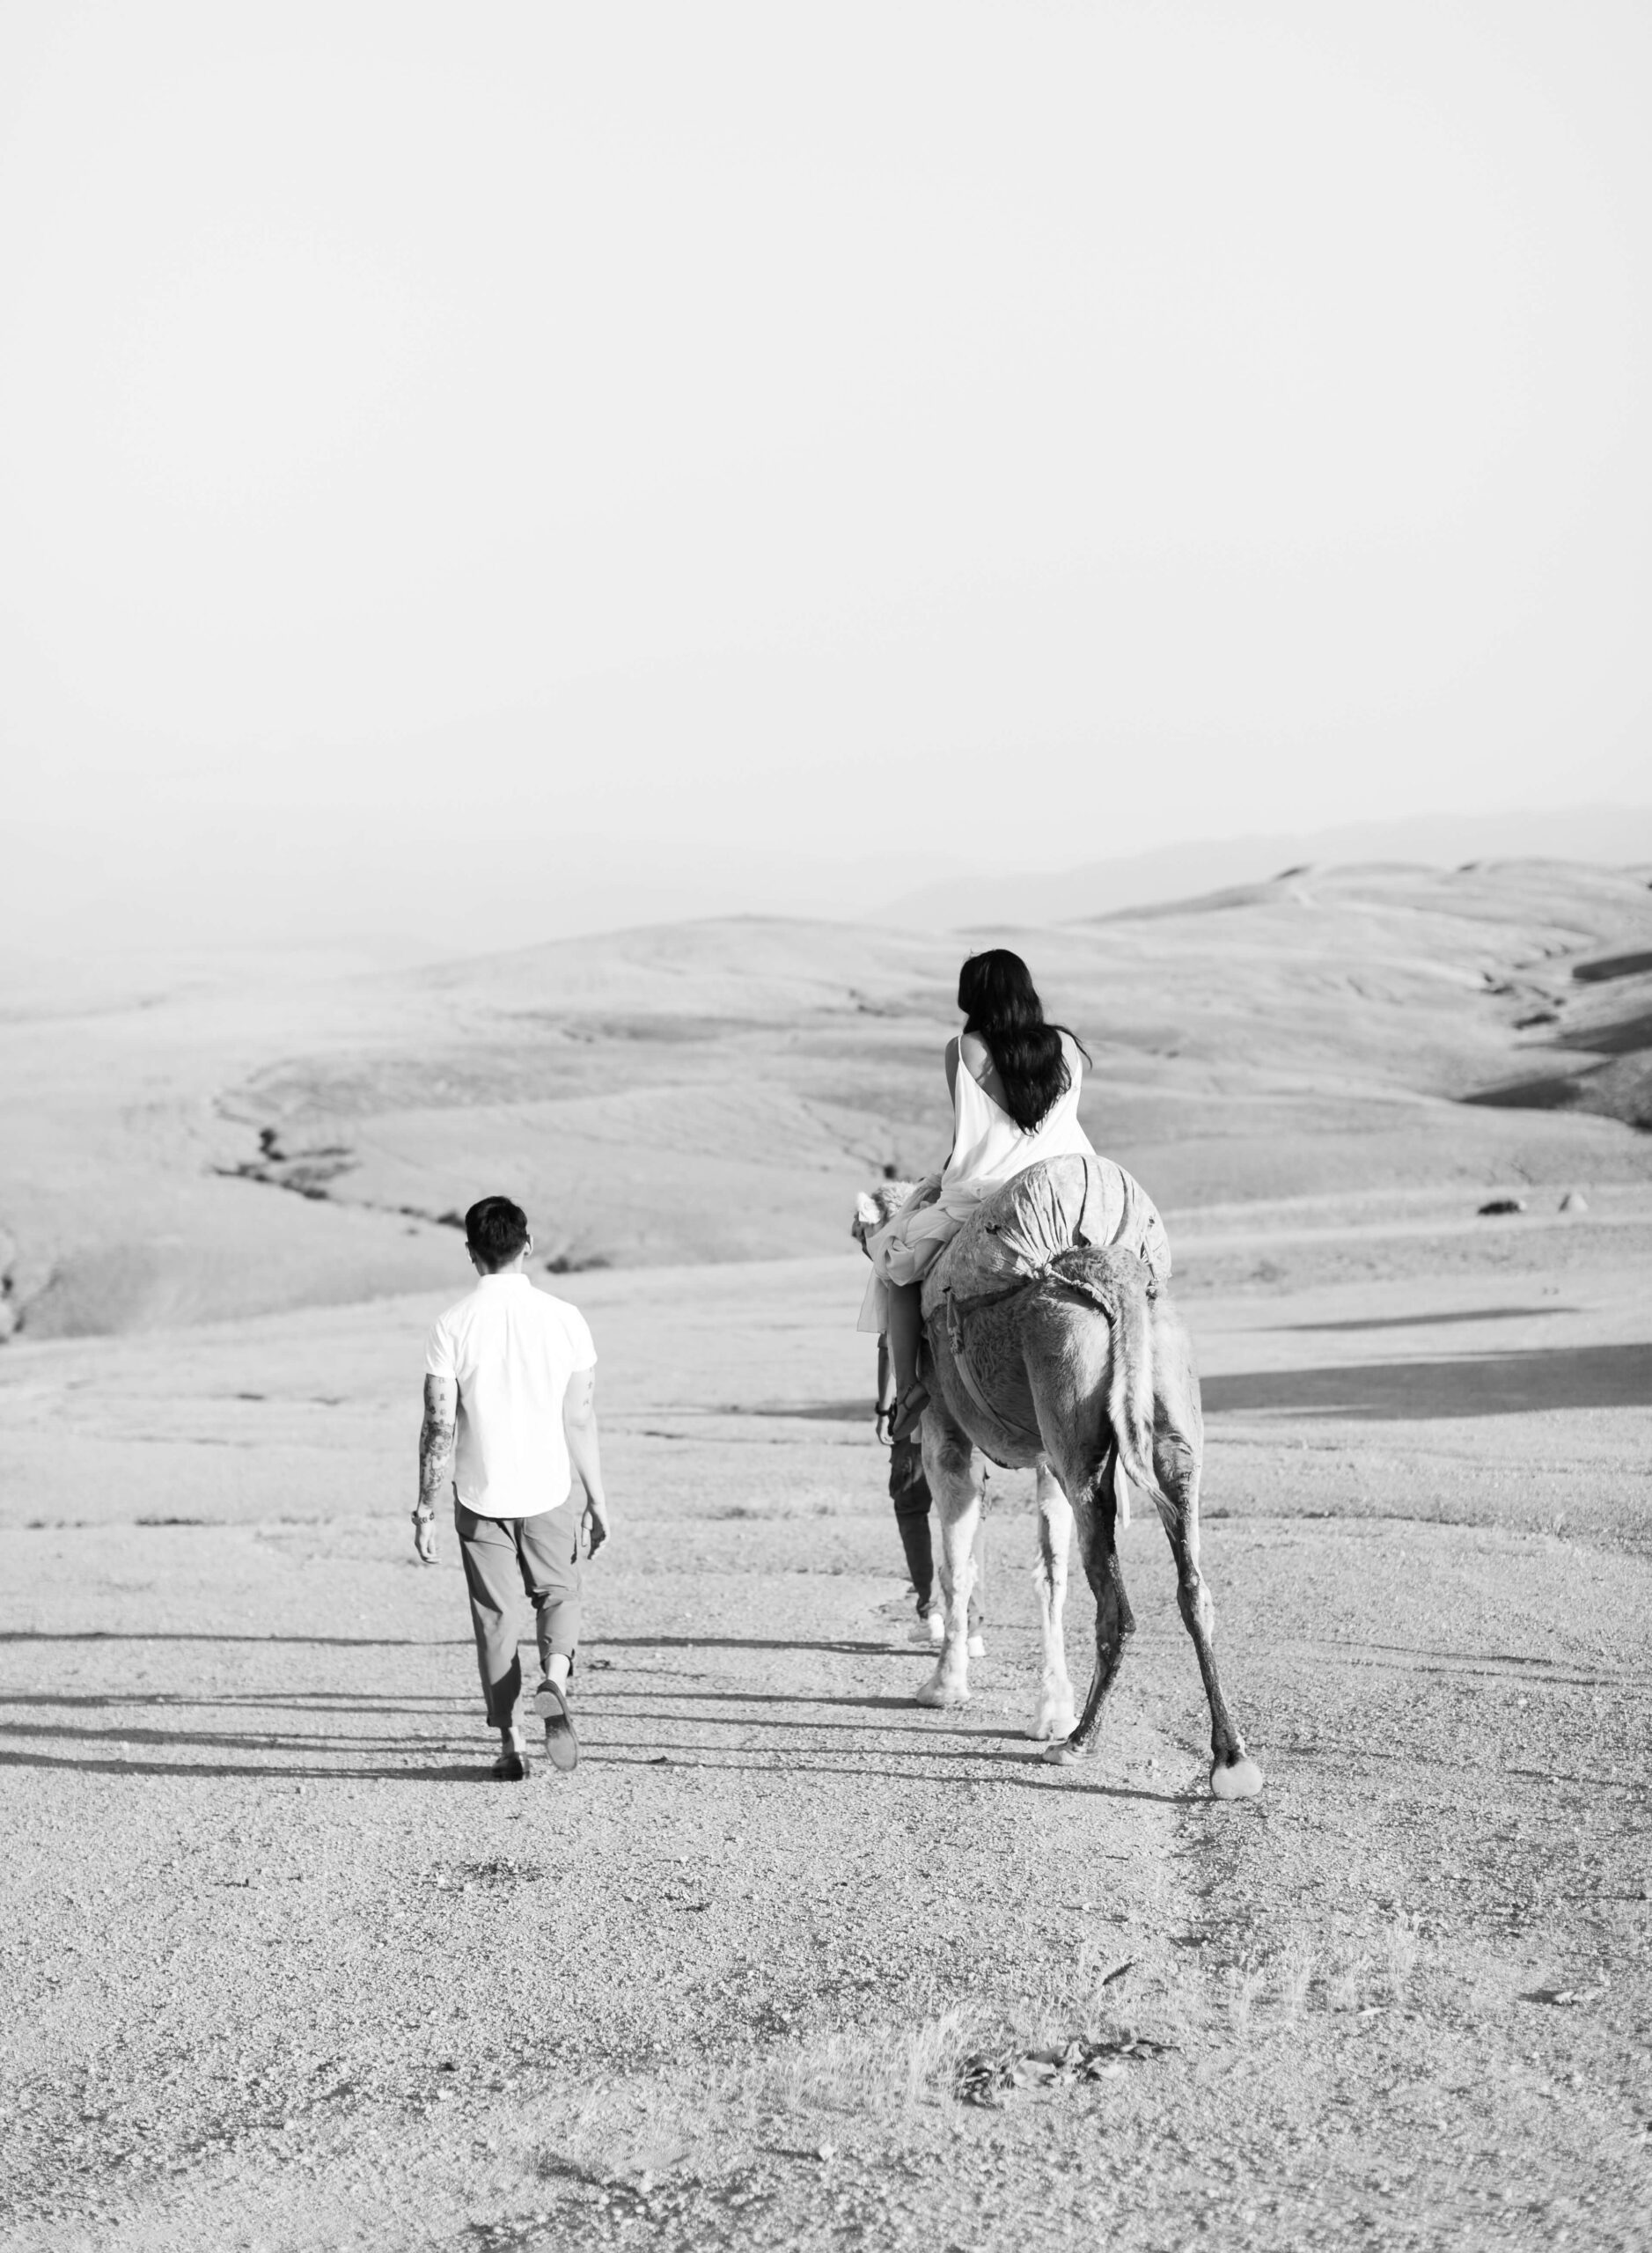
<point>284,1970</point>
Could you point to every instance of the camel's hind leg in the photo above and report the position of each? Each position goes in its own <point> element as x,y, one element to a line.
<point>953,1469</point>
<point>1233,1773</point>
<point>1054,1715</point>
<point>1095,1508</point>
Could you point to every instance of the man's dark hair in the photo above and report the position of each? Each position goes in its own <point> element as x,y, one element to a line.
<point>496,1231</point>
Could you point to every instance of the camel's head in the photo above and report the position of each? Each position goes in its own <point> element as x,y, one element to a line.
<point>874,1206</point>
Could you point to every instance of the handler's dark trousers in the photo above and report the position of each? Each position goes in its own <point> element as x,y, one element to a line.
<point>507,1558</point>
<point>909,1492</point>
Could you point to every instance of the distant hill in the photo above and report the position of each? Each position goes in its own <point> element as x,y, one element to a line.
<point>718,1091</point>
<point>1611,836</point>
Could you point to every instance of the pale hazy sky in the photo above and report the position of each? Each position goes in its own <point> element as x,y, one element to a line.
<point>571,438</point>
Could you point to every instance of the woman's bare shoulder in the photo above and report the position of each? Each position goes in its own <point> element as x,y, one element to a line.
<point>982,1066</point>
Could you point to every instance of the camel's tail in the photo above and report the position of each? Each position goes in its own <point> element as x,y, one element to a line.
<point>1130,1397</point>
<point>1122,1286</point>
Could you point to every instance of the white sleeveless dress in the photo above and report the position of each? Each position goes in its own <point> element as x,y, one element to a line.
<point>989,1148</point>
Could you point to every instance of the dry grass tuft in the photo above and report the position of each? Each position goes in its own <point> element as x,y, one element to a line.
<point>1243,1997</point>
<point>642,2126</point>
<point>870,2070</point>
<point>1296,1975</point>
<point>1400,1948</point>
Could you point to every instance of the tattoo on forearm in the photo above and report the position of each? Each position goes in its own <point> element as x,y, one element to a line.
<point>436,1450</point>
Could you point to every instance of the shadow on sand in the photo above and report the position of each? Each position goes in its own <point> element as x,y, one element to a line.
<point>470,1772</point>
<point>950,1749</point>
<point>840,1647</point>
<point>199,1635</point>
<point>1433,1321</point>
<point>1024,1770</point>
<point>1476,1384</point>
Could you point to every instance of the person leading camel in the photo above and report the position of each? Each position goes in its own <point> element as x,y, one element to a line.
<point>1014,1082</point>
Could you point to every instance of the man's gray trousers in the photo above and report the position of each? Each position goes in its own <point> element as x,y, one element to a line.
<point>508,1560</point>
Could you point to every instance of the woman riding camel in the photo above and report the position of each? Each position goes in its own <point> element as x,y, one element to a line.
<point>1015,1101</point>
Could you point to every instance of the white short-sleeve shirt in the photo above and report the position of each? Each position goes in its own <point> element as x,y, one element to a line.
<point>511,1349</point>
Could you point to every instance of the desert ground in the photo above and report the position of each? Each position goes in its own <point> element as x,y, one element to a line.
<point>790,1961</point>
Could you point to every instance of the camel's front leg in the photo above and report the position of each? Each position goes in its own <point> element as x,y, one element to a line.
<point>953,1469</point>
<point>1053,1716</point>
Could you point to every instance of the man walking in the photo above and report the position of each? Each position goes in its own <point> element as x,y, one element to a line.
<point>510,1375</point>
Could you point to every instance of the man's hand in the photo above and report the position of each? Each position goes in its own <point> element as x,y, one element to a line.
<point>424,1539</point>
<point>579,1421</point>
<point>884,1422</point>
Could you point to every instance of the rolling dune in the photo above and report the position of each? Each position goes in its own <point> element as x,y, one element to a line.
<point>718,1091</point>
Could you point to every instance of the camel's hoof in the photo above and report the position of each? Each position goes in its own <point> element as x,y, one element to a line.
<point>1052,1720</point>
<point>975,1648</point>
<point>1240,1779</point>
<point>938,1691</point>
<point>1063,1754</point>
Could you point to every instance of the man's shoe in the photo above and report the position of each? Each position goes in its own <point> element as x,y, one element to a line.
<point>928,1628</point>
<point>512,1766</point>
<point>561,1746</point>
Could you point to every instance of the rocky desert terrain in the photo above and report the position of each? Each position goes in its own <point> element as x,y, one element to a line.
<point>789,1961</point>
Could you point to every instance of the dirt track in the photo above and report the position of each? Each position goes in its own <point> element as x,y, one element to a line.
<point>286,1970</point>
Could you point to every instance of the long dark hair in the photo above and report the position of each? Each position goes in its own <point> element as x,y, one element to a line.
<point>1001,1004</point>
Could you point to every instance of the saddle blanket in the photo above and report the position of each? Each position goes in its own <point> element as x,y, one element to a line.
<point>1058,1203</point>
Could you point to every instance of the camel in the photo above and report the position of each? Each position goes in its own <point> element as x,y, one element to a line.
<point>1078,1366</point>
